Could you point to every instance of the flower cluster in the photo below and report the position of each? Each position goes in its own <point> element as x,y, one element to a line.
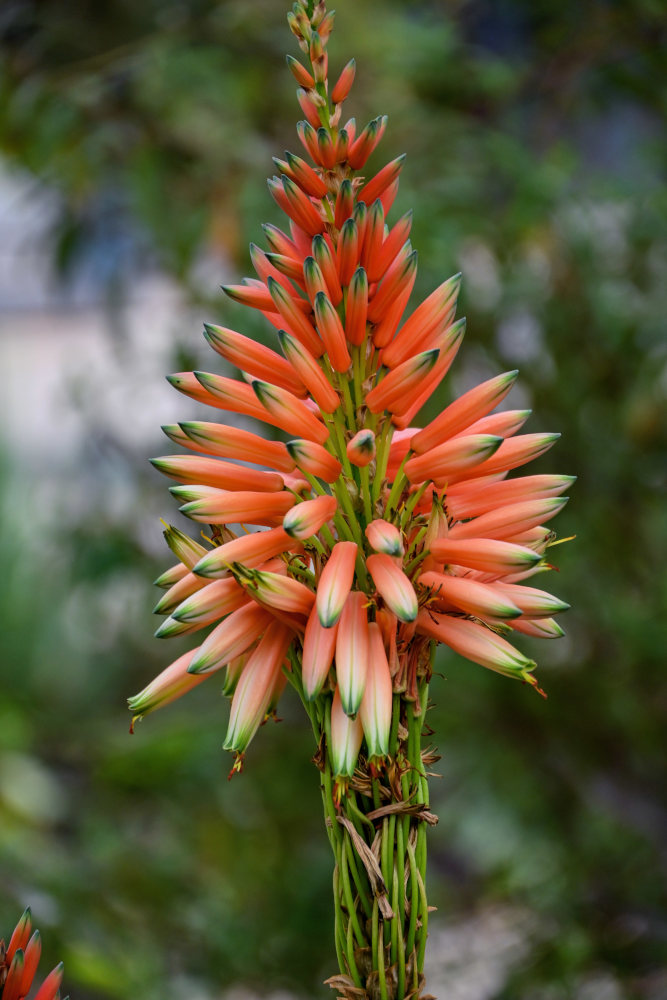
<point>18,965</point>
<point>340,557</point>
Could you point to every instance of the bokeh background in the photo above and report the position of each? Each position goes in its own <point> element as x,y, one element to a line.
<point>135,140</point>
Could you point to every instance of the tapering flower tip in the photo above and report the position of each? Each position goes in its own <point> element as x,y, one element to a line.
<point>184,548</point>
<point>326,24</point>
<point>427,319</point>
<point>230,638</point>
<point>170,627</point>
<point>319,644</point>
<point>313,278</point>
<point>300,73</point>
<point>396,238</point>
<point>517,451</point>
<point>332,333</point>
<point>533,603</point>
<point>344,203</point>
<point>356,308</point>
<point>352,651</point>
<point>541,628</point>
<point>309,110</point>
<point>397,281</point>
<point>487,555</point>
<point>385,538</point>
<point>512,521</point>
<point>306,519</point>
<point>295,26</point>
<point>361,448</point>
<point>169,685</point>
<point>305,176</point>
<point>297,323</point>
<point>252,550</point>
<point>310,373</point>
<point>279,242</point>
<point>20,935</point>
<point>195,470</point>
<point>479,496</point>
<point>233,442</point>
<point>49,990</point>
<point>290,413</point>
<point>315,460</point>
<point>452,457</point>
<point>178,591</point>
<point>288,266</point>
<point>347,251</point>
<point>346,737</point>
<point>301,208</point>
<point>504,424</point>
<point>475,598</point>
<point>382,180</point>
<point>189,385</point>
<point>469,407</point>
<point>212,506</point>
<point>365,143</point>
<point>398,389</point>
<point>12,984</point>
<point>210,603</point>
<point>477,643</point>
<point>360,216</point>
<point>31,958</point>
<point>249,295</point>
<point>178,436</point>
<point>335,583</point>
<point>393,586</point>
<point>276,591</point>
<point>376,705</point>
<point>342,146</point>
<point>343,84</point>
<point>374,233</point>
<point>256,686</point>
<point>326,261</point>
<point>252,357</point>
<point>308,136</point>
<point>326,149</point>
<point>228,394</point>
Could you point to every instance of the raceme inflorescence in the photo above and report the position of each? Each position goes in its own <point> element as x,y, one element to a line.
<point>338,557</point>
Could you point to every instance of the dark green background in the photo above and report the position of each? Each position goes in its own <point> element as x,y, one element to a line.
<point>536,162</point>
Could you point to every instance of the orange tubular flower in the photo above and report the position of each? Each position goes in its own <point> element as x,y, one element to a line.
<point>339,560</point>
<point>18,965</point>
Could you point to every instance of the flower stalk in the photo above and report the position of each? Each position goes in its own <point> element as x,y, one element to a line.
<point>364,541</point>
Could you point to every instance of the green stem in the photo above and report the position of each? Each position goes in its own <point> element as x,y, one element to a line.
<point>364,925</point>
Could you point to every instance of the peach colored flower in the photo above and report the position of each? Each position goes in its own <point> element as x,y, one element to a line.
<point>362,516</point>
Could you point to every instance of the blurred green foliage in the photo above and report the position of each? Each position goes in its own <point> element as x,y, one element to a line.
<point>536,165</point>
